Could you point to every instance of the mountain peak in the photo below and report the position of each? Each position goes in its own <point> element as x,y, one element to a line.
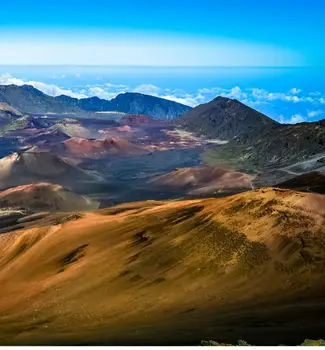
<point>222,98</point>
<point>225,118</point>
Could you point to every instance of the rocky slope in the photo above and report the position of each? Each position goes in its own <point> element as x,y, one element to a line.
<point>131,103</point>
<point>310,182</point>
<point>135,119</point>
<point>35,166</point>
<point>100,148</point>
<point>204,180</point>
<point>154,107</point>
<point>8,115</point>
<point>27,99</point>
<point>289,144</point>
<point>5,108</point>
<point>45,196</point>
<point>286,145</point>
<point>254,140</point>
<point>248,266</point>
<point>72,128</point>
<point>226,119</point>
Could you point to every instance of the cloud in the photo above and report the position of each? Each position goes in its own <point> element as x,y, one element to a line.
<point>264,96</point>
<point>281,119</point>
<point>116,86</point>
<point>102,92</point>
<point>49,89</point>
<point>295,91</point>
<point>306,105</point>
<point>148,89</point>
<point>255,96</point>
<point>296,118</point>
<point>186,99</point>
<point>312,114</point>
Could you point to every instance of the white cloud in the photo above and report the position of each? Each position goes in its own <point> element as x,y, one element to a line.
<point>49,89</point>
<point>148,89</point>
<point>116,86</point>
<point>54,90</point>
<point>296,118</point>
<point>236,93</point>
<point>295,91</point>
<point>249,96</point>
<point>281,119</point>
<point>312,114</point>
<point>314,93</point>
<point>102,92</point>
<point>186,99</point>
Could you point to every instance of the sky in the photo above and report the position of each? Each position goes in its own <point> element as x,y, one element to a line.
<point>163,33</point>
<point>268,54</point>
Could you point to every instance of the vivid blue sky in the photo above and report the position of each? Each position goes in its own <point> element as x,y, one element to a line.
<point>266,53</point>
<point>179,32</point>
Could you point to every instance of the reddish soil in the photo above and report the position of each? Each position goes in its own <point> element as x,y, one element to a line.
<point>99,148</point>
<point>205,179</point>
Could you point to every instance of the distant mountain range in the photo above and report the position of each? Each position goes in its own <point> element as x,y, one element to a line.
<point>29,100</point>
<point>131,103</point>
<point>254,140</point>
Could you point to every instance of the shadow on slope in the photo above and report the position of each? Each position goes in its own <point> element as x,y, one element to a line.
<point>249,266</point>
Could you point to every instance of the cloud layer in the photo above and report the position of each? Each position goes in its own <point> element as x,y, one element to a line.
<point>49,89</point>
<point>310,104</point>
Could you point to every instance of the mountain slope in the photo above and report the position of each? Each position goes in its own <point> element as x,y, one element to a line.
<point>9,118</point>
<point>30,100</point>
<point>286,145</point>
<point>131,103</point>
<point>205,180</point>
<point>5,108</point>
<point>225,118</point>
<point>92,149</point>
<point>35,166</point>
<point>290,143</point>
<point>154,107</point>
<point>27,99</point>
<point>249,266</point>
<point>44,196</point>
<point>310,182</point>
<point>135,119</point>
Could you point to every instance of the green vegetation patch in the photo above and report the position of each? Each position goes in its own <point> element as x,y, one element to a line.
<point>311,342</point>
<point>234,155</point>
<point>14,124</point>
<point>63,219</point>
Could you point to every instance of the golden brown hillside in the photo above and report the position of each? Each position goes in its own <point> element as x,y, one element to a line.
<point>5,107</point>
<point>249,266</point>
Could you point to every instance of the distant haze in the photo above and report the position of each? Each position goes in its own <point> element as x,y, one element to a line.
<point>163,33</point>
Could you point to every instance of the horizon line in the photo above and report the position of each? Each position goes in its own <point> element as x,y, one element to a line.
<point>156,66</point>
